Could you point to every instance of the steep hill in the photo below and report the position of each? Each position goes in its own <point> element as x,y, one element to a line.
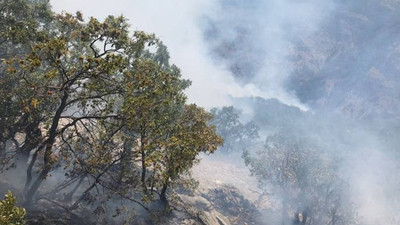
<point>347,62</point>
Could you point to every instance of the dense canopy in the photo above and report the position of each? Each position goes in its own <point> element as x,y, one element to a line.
<point>89,101</point>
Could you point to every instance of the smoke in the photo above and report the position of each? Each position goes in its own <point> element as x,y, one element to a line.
<point>256,40</point>
<point>268,46</point>
<point>372,171</point>
<point>234,49</point>
<point>260,33</point>
<point>176,23</point>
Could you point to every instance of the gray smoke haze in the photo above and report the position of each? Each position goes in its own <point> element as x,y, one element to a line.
<point>256,39</point>
<point>333,58</point>
<point>176,23</point>
<point>328,57</point>
<point>258,33</point>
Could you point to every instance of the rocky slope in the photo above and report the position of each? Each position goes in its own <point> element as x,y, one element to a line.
<point>227,195</point>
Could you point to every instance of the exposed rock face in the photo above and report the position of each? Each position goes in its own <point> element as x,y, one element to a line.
<point>221,206</point>
<point>229,201</point>
<point>226,197</point>
<point>204,211</point>
<point>194,210</point>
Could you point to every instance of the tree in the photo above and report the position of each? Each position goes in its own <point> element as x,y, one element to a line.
<point>236,135</point>
<point>190,136</point>
<point>68,73</point>
<point>10,214</point>
<point>21,23</point>
<point>92,103</point>
<point>302,179</point>
<point>104,108</point>
<point>22,20</point>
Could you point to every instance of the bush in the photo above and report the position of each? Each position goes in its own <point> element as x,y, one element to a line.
<point>9,213</point>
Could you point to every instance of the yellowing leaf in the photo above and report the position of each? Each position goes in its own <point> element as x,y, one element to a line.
<point>35,103</point>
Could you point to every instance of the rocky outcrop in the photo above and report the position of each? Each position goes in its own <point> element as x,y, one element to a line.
<point>194,210</point>
<point>219,206</point>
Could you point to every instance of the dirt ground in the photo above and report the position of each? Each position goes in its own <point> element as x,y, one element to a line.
<point>219,170</point>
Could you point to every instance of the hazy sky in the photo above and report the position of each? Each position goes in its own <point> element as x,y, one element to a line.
<point>180,24</point>
<point>175,22</point>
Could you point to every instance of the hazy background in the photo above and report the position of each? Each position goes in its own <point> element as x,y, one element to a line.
<point>326,69</point>
<point>177,24</point>
<point>227,48</point>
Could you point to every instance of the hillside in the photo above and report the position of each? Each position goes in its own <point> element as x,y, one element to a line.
<point>348,62</point>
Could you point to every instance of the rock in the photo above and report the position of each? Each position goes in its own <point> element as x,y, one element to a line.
<point>213,218</point>
<point>202,210</point>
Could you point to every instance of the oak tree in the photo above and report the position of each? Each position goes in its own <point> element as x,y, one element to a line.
<point>96,104</point>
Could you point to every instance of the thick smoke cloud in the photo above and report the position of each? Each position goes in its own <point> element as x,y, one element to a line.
<point>310,54</point>
<point>176,23</point>
<point>258,33</point>
<point>335,57</point>
<point>256,39</point>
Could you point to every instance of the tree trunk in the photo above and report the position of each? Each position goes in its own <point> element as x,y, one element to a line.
<point>29,170</point>
<point>2,149</point>
<point>83,196</point>
<point>144,167</point>
<point>32,141</point>
<point>48,151</point>
<point>35,186</point>
<point>68,197</point>
<point>163,194</point>
<point>126,157</point>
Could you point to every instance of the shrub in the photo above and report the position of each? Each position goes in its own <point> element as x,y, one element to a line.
<point>10,214</point>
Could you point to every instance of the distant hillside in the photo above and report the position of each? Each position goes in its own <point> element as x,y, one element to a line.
<point>350,64</point>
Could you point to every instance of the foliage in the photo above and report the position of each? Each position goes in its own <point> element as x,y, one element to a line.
<point>102,107</point>
<point>21,23</point>
<point>9,213</point>
<point>302,179</point>
<point>235,134</point>
<point>22,20</point>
